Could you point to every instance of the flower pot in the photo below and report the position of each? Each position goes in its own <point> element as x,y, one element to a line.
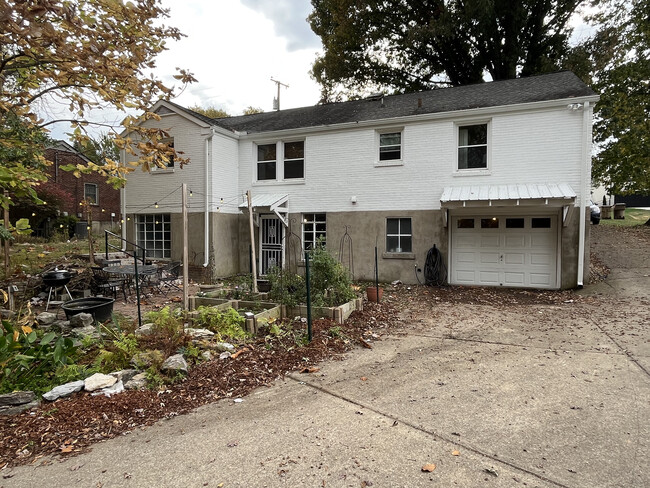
<point>371,291</point>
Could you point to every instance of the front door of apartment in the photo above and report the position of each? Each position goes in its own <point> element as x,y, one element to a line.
<point>271,240</point>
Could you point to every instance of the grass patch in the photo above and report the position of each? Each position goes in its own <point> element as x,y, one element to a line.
<point>633,217</point>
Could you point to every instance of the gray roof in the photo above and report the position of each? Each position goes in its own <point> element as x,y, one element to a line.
<point>562,191</point>
<point>554,86</point>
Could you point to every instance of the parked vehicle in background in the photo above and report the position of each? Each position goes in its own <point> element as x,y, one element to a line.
<point>595,213</point>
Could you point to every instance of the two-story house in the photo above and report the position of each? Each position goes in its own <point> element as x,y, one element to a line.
<point>495,175</point>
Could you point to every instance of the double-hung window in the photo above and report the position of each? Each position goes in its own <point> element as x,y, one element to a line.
<point>165,161</point>
<point>91,193</point>
<point>294,160</point>
<point>398,235</point>
<point>266,162</point>
<point>390,146</point>
<point>314,227</point>
<point>473,146</point>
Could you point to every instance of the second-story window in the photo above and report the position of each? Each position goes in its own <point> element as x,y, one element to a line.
<point>390,146</point>
<point>473,146</point>
<point>266,162</point>
<point>294,160</point>
<point>166,161</point>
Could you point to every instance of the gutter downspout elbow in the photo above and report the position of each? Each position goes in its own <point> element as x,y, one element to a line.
<point>206,214</point>
<point>585,169</point>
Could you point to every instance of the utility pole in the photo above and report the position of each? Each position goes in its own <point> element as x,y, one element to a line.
<point>185,251</point>
<point>276,101</point>
<point>253,258</point>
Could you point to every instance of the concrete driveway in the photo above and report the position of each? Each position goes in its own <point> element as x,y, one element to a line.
<point>503,395</point>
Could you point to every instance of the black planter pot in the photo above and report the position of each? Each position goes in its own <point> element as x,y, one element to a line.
<point>100,308</point>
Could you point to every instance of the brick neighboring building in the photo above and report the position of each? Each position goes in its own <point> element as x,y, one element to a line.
<point>106,211</point>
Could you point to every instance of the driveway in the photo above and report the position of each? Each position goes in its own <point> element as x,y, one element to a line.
<point>505,394</point>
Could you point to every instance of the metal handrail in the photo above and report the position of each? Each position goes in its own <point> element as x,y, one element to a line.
<point>124,241</point>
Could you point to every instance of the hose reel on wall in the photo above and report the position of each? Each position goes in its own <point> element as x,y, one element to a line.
<point>435,270</point>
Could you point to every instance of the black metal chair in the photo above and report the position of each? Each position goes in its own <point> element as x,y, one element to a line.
<point>166,277</point>
<point>104,282</point>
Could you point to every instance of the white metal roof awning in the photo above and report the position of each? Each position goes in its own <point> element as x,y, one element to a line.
<point>275,203</point>
<point>545,194</point>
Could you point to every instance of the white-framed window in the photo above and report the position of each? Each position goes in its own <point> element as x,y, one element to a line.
<point>294,160</point>
<point>390,146</point>
<point>153,232</point>
<point>314,227</point>
<point>399,237</point>
<point>167,161</point>
<point>266,162</point>
<point>473,147</point>
<point>91,193</point>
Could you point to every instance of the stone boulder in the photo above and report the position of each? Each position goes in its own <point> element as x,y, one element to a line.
<point>146,329</point>
<point>62,391</point>
<point>138,382</point>
<point>125,375</point>
<point>17,402</point>
<point>175,363</point>
<point>46,318</point>
<point>99,381</point>
<point>145,359</point>
<point>199,334</point>
<point>109,391</point>
<point>224,347</point>
<point>88,331</point>
<point>81,320</point>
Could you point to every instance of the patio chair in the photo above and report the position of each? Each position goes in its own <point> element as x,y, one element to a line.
<point>104,283</point>
<point>166,277</point>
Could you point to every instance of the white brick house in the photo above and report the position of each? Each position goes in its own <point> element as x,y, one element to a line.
<point>490,173</point>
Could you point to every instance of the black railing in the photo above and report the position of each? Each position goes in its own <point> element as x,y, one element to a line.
<point>125,242</point>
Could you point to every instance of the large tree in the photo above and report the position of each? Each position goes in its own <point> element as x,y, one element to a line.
<point>401,45</point>
<point>622,127</point>
<point>84,55</point>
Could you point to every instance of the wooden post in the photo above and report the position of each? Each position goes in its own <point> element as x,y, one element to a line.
<point>6,241</point>
<point>91,246</point>
<point>250,222</point>
<point>185,251</point>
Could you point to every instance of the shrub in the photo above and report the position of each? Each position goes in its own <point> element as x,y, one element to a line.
<point>228,324</point>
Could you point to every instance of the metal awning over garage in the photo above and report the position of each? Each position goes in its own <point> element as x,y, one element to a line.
<point>276,203</point>
<point>538,194</point>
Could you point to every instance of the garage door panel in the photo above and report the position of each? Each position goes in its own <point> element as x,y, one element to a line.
<point>506,256</point>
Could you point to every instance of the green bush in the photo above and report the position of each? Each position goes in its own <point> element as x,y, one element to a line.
<point>287,288</point>
<point>30,359</point>
<point>226,325</point>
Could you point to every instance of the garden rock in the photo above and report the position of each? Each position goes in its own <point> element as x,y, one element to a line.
<point>62,326</point>
<point>7,314</point>
<point>146,329</point>
<point>16,402</point>
<point>199,333</point>
<point>125,375</point>
<point>81,320</point>
<point>98,381</point>
<point>111,390</point>
<point>138,382</point>
<point>224,346</point>
<point>88,331</point>
<point>63,390</point>
<point>175,363</point>
<point>224,355</point>
<point>144,359</point>
<point>46,318</point>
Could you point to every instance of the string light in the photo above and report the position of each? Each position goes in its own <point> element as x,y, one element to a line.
<point>61,225</point>
<point>103,210</point>
<point>155,205</point>
<point>191,194</point>
<point>121,221</point>
<point>33,214</point>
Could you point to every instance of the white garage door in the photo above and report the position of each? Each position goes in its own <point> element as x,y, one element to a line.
<point>514,251</point>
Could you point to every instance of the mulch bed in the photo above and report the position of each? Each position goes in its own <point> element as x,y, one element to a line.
<point>71,425</point>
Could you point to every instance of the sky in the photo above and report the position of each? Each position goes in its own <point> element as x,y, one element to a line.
<point>234,48</point>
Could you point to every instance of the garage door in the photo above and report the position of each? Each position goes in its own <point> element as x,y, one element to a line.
<point>512,251</point>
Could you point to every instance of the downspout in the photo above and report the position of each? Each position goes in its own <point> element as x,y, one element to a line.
<point>123,203</point>
<point>582,202</point>
<point>206,215</point>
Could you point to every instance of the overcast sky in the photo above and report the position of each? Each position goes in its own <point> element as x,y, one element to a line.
<point>234,48</point>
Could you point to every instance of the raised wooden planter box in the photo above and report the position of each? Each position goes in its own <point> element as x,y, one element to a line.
<point>338,314</point>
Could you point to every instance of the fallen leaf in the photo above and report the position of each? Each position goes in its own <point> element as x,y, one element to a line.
<point>455,453</point>
<point>363,378</point>
<point>65,448</point>
<point>310,369</point>
<point>365,343</point>
<point>427,468</point>
<point>234,356</point>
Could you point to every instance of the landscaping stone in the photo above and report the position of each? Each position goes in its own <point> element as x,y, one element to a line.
<point>124,375</point>
<point>98,381</point>
<point>144,359</point>
<point>81,320</point>
<point>225,355</point>
<point>7,314</point>
<point>62,326</point>
<point>17,398</point>
<point>46,318</point>
<point>111,390</point>
<point>224,346</point>
<point>138,382</point>
<point>63,390</point>
<point>199,333</point>
<point>175,363</point>
<point>88,331</point>
<point>146,329</point>
<point>16,409</point>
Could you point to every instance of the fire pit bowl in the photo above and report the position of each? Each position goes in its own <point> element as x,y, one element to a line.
<point>56,277</point>
<point>100,308</point>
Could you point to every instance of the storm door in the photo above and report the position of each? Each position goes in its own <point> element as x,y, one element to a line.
<point>271,239</point>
